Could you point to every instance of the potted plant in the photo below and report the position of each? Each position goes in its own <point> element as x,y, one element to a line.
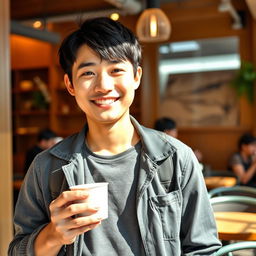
<point>244,80</point>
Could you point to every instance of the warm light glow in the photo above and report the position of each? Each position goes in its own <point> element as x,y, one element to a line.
<point>114,16</point>
<point>37,24</point>
<point>153,26</point>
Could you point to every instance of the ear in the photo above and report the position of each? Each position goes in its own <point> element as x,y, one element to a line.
<point>69,85</point>
<point>137,78</point>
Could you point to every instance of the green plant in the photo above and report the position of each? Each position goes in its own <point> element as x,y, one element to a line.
<point>244,80</point>
<point>39,101</point>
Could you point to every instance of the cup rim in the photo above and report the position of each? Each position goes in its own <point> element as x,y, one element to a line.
<point>89,185</point>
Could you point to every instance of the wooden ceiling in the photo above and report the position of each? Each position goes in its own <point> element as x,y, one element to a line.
<point>29,9</point>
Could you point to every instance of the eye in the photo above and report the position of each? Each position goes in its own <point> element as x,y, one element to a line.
<point>117,70</point>
<point>87,73</point>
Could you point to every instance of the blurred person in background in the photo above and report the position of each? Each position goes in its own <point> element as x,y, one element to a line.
<point>243,162</point>
<point>45,139</point>
<point>169,126</point>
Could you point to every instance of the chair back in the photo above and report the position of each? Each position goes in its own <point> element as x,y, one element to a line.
<point>223,173</point>
<point>233,204</point>
<point>234,247</point>
<point>235,191</point>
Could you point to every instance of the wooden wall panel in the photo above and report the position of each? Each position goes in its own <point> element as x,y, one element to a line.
<point>38,53</point>
<point>216,144</point>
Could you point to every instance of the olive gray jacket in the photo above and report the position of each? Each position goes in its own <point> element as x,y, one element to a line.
<point>173,210</point>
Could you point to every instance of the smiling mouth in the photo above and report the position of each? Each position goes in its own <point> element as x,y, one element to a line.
<point>107,101</point>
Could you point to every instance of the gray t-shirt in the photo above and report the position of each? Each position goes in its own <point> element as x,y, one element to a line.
<point>118,234</point>
<point>238,159</point>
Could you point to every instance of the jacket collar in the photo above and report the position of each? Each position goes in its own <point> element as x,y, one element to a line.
<point>155,144</point>
<point>71,147</point>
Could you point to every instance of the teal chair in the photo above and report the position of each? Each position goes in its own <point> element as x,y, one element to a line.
<point>228,250</point>
<point>234,191</point>
<point>233,204</point>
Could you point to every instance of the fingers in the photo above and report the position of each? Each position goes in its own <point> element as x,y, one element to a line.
<point>66,219</point>
<point>73,209</point>
<point>71,203</point>
<point>74,223</point>
<point>68,229</point>
<point>69,236</point>
<point>68,196</point>
<point>81,230</point>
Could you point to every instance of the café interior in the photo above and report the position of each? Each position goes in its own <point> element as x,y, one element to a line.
<point>189,71</point>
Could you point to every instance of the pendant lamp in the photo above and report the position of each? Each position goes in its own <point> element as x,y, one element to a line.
<point>153,25</point>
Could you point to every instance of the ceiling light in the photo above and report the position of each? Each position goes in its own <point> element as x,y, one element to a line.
<point>153,25</point>
<point>37,24</point>
<point>114,16</point>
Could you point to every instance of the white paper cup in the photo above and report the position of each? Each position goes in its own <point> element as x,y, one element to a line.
<point>98,196</point>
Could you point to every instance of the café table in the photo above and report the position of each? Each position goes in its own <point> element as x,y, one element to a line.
<point>236,225</point>
<point>219,181</point>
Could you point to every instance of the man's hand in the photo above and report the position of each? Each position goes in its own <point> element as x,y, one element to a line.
<point>65,223</point>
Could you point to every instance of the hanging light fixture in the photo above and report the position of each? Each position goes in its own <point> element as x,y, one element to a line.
<point>153,25</point>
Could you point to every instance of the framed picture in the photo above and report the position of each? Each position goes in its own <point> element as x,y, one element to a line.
<point>200,99</point>
<point>195,78</point>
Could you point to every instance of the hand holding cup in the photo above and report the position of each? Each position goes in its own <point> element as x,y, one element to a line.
<point>97,196</point>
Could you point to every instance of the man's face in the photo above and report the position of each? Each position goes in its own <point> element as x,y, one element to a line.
<point>249,149</point>
<point>172,132</point>
<point>47,143</point>
<point>104,90</point>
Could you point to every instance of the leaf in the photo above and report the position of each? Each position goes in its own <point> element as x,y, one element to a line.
<point>244,80</point>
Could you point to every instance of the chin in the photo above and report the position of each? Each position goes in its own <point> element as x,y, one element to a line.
<point>112,118</point>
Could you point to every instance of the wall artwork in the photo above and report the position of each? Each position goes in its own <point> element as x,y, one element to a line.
<point>200,99</point>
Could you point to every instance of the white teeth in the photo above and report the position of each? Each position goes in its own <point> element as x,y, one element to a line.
<point>104,101</point>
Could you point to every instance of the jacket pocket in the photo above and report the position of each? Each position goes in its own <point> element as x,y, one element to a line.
<point>169,209</point>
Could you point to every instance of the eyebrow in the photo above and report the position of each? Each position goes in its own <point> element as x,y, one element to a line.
<point>87,64</point>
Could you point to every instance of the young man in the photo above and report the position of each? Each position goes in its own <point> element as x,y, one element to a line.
<point>158,204</point>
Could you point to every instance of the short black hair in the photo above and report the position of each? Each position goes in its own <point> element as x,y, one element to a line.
<point>46,134</point>
<point>165,123</point>
<point>246,139</point>
<point>109,38</point>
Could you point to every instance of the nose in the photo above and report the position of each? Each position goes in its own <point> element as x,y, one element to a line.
<point>104,83</point>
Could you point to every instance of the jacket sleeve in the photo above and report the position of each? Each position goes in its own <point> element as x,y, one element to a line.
<point>31,213</point>
<point>198,227</point>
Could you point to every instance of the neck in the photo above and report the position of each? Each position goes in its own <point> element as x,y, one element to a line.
<point>245,156</point>
<point>111,139</point>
